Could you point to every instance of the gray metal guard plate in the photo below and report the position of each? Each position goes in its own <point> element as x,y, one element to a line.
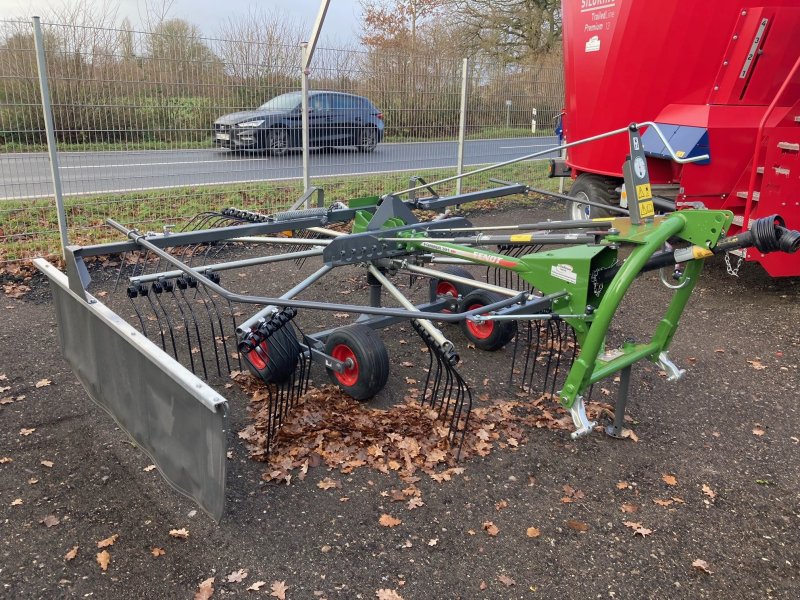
<point>178,420</point>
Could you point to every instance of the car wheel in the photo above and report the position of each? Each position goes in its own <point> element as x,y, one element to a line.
<point>368,139</point>
<point>277,142</point>
<point>594,188</point>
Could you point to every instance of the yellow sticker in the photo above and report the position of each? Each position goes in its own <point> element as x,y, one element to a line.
<point>521,237</point>
<point>700,252</point>
<point>680,154</point>
<point>643,192</point>
<point>287,233</point>
<point>646,209</point>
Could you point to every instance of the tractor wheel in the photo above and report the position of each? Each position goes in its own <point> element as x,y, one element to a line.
<point>595,188</point>
<point>369,369</point>
<point>450,288</point>
<point>275,359</point>
<point>489,335</point>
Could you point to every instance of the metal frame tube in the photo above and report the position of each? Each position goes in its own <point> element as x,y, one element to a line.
<point>433,273</point>
<point>235,264</point>
<point>141,240</point>
<point>564,146</point>
<point>49,126</point>
<point>462,121</point>
<point>432,330</point>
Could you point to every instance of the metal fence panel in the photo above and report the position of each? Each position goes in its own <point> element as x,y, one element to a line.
<point>135,116</point>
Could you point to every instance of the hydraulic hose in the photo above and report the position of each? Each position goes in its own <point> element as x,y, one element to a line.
<point>767,234</point>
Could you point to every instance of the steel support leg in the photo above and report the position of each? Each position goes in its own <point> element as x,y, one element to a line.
<point>615,430</point>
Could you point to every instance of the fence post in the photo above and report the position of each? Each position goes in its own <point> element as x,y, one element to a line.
<point>49,130</point>
<point>462,123</point>
<point>304,108</point>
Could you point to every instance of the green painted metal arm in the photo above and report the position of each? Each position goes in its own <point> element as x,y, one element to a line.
<point>587,368</point>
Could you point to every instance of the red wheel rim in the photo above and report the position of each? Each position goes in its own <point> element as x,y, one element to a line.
<point>258,357</point>
<point>479,331</point>
<point>446,288</point>
<point>349,376</point>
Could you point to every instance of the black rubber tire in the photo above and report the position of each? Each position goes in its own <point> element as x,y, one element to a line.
<point>453,289</point>
<point>371,369</point>
<point>490,335</point>
<point>271,140</point>
<point>597,189</point>
<point>368,139</point>
<point>279,355</point>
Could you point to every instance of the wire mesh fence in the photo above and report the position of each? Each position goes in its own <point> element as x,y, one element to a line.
<point>152,128</point>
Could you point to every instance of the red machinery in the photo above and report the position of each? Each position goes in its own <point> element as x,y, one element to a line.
<point>720,77</point>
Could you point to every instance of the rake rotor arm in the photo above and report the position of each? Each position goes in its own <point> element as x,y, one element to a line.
<point>141,240</point>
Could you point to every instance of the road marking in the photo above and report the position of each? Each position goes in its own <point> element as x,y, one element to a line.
<point>194,185</point>
<point>553,146</point>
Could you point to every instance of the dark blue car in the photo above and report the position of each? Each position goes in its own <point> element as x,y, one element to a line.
<point>335,120</point>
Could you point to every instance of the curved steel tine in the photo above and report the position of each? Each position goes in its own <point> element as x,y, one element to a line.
<point>233,322</point>
<point>139,316</point>
<point>170,325</point>
<point>221,328</point>
<point>185,327</point>
<point>158,320</point>
<point>197,332</point>
<point>213,330</point>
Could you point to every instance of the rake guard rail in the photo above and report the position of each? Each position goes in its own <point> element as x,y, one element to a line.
<point>178,420</point>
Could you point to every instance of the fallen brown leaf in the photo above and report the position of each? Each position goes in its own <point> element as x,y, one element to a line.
<point>577,525</point>
<point>414,502</point>
<point>669,479</point>
<point>622,485</point>
<point>16,502</point>
<point>501,505</point>
<point>47,463</point>
<point>709,492</point>
<point>149,468</point>
<point>758,431</point>
<point>638,528</point>
<point>5,460</point>
<point>490,528</point>
<point>701,565</point>
<point>629,508</point>
<point>71,554</point>
<point>50,521</point>
<point>103,558</point>
<point>387,594</point>
<point>109,541</point>
<point>661,502</point>
<point>389,521</point>
<point>506,580</point>
<point>205,590</point>
<point>182,533</point>
<point>279,590</point>
<point>236,576</point>
<point>25,431</point>
<point>483,585</point>
<point>43,383</point>
<point>533,532</point>
<point>328,483</point>
<point>756,364</point>
<point>156,551</point>
<point>256,586</point>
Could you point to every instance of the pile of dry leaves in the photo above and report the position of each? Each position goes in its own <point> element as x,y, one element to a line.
<point>328,427</point>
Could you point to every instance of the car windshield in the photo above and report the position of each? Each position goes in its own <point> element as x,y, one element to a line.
<point>282,102</point>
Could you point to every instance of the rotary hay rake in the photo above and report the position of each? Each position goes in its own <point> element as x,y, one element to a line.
<point>550,293</point>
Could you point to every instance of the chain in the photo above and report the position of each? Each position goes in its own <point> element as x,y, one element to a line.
<point>733,270</point>
<point>599,285</point>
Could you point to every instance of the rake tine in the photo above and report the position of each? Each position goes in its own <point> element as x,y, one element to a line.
<point>536,354</point>
<point>157,288</point>
<point>171,289</point>
<point>182,285</point>
<point>132,293</point>
<point>221,328</point>
<point>233,322</point>
<point>143,291</point>
<point>211,323</point>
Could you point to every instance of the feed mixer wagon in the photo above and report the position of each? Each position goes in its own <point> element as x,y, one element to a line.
<point>720,77</point>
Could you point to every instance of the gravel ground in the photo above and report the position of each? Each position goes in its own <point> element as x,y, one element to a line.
<point>728,434</point>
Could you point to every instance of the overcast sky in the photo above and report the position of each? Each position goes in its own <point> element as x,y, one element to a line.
<point>341,23</point>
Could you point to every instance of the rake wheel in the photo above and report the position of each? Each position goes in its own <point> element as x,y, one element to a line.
<point>275,359</point>
<point>489,335</point>
<point>368,370</point>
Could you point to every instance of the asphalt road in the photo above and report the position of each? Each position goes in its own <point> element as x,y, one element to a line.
<point>27,175</point>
